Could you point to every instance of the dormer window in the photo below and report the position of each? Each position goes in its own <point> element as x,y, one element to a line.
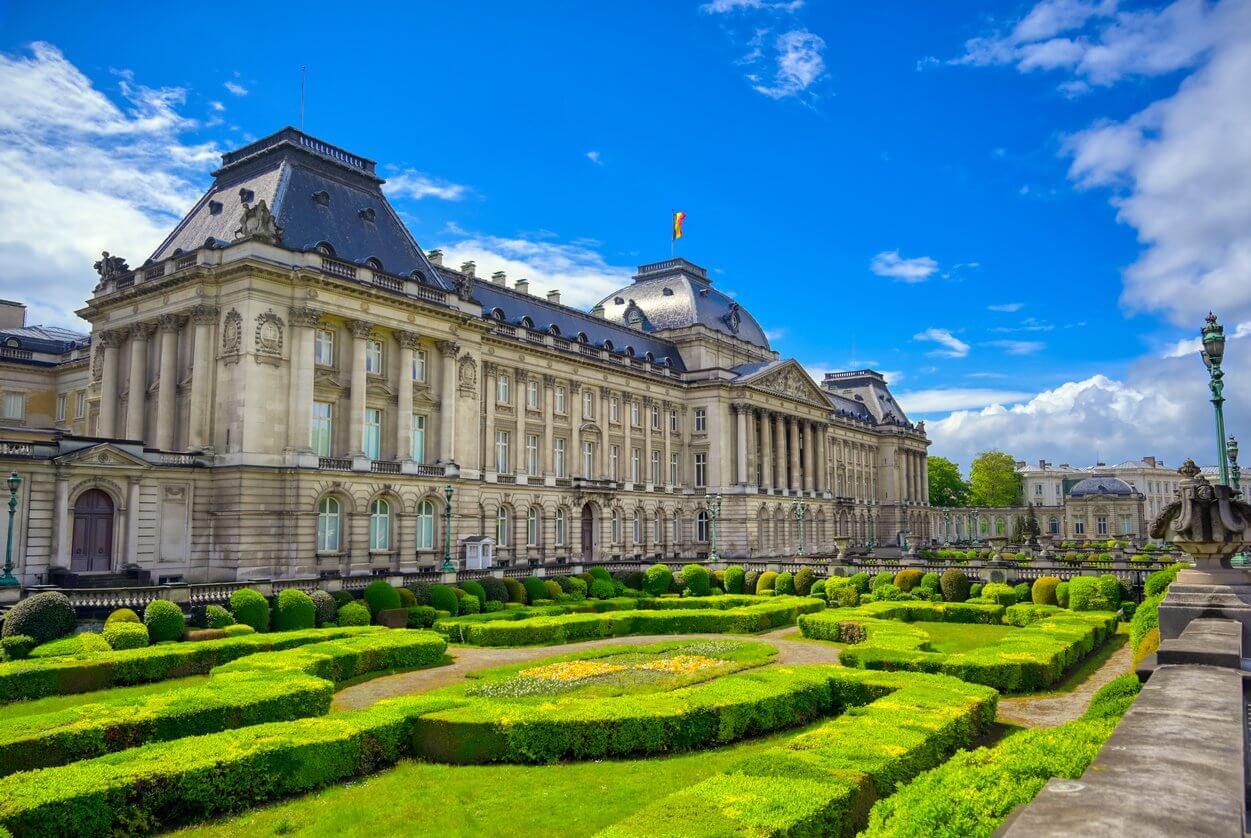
<point>553,330</point>
<point>215,207</point>
<point>498,314</point>
<point>321,198</point>
<point>608,345</point>
<point>246,196</point>
<point>527,322</point>
<point>367,214</point>
<point>581,337</point>
<point>373,264</point>
<point>418,276</point>
<point>325,249</point>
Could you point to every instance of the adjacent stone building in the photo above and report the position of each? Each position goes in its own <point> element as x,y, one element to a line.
<point>288,384</point>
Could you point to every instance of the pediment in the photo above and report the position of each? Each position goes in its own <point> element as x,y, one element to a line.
<point>106,455</point>
<point>789,380</point>
<point>327,378</point>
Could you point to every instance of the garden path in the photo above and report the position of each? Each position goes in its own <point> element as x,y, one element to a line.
<point>470,658</point>
<point>1049,711</point>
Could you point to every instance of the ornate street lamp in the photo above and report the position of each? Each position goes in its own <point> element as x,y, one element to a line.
<point>448,567</point>
<point>714,512</point>
<point>800,509</point>
<point>8,580</point>
<point>871,504</point>
<point>1235,471</point>
<point>1213,351</point>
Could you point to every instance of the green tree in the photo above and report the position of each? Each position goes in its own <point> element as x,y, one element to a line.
<point>947,487</point>
<point>993,480</point>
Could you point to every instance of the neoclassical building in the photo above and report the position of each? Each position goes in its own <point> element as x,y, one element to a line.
<point>288,384</point>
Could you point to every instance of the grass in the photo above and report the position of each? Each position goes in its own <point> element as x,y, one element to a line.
<point>61,702</point>
<point>1078,674</point>
<point>962,637</point>
<point>416,798</point>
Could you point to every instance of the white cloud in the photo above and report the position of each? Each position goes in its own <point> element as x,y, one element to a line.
<point>217,106</point>
<point>1006,307</point>
<point>942,399</point>
<point>716,7</point>
<point>593,156</point>
<point>1018,347</point>
<point>79,175</point>
<point>236,88</point>
<point>953,346</point>
<point>410,183</point>
<point>890,263</point>
<point>775,334</point>
<point>798,64</point>
<point>1191,347</point>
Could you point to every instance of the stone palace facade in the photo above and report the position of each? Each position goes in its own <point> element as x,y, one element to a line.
<point>289,383</point>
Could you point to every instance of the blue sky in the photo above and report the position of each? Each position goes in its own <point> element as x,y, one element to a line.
<point>1013,209</point>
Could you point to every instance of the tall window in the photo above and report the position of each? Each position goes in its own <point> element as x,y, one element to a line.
<point>380,525</point>
<point>588,404</point>
<point>1079,527</point>
<point>1126,528</point>
<point>656,467</point>
<point>322,429</point>
<point>701,470</point>
<point>372,442</point>
<point>62,400</point>
<point>636,527</point>
<point>419,439</point>
<point>701,420</point>
<point>677,529</point>
<point>532,454</point>
<point>614,455</point>
<point>560,398</point>
<point>14,405</point>
<point>558,457</point>
<point>588,459</point>
<point>614,412</point>
<point>658,529</point>
<point>655,417</point>
<point>503,525</point>
<point>425,525</point>
<point>701,526</point>
<point>419,365</point>
<point>616,526</point>
<point>1038,490</point>
<point>560,526</point>
<point>532,527</point>
<point>532,395</point>
<point>501,452</point>
<point>1053,526</point>
<point>634,414</point>
<point>328,525</point>
<point>323,348</point>
<point>80,404</point>
<point>673,421</point>
<point>502,385</point>
<point>673,469</point>
<point>373,357</point>
<point>634,465</point>
<point>1101,525</point>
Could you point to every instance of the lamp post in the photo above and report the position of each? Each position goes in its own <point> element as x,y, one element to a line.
<point>800,509</point>
<point>1235,471</point>
<point>1213,351</point>
<point>448,567</point>
<point>714,512</point>
<point>871,504</point>
<point>8,580</point>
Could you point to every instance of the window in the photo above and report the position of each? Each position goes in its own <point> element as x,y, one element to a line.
<point>701,526</point>
<point>328,526</point>
<point>616,526</point>
<point>62,400</point>
<point>614,413</point>
<point>419,439</point>
<point>656,467</point>
<point>371,444</point>
<point>373,357</point>
<point>658,529</point>
<point>532,527</point>
<point>14,405</point>
<point>558,457</point>
<point>677,529</point>
<point>701,470</point>
<point>1126,527</point>
<point>634,414</point>
<point>634,465</point>
<point>532,395</point>
<point>1079,527</point>
<point>588,404</point>
<point>614,456</point>
<point>560,526</point>
<point>80,404</point>
<point>673,421</point>
<point>588,459</point>
<point>425,525</point>
<point>380,525</point>
<point>560,399</point>
<point>419,365</point>
<point>501,452</point>
<point>1101,525</point>
<point>502,384</point>
<point>673,469</point>
<point>323,348</point>
<point>655,418</point>
<point>532,454</point>
<point>503,523</point>
<point>1037,490</point>
<point>322,430</point>
<point>701,420</point>
<point>1053,526</point>
<point>636,527</point>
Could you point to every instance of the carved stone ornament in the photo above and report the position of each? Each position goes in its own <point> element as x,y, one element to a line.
<point>734,319</point>
<point>466,287</point>
<point>303,317</point>
<point>269,334</point>
<point>258,223</point>
<point>232,333</point>
<point>1207,523</point>
<point>97,363</point>
<point>467,372</point>
<point>110,267</point>
<point>408,340</point>
<point>788,382</point>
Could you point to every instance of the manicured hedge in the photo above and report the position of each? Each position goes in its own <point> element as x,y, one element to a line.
<point>126,635</point>
<point>954,584</point>
<point>45,616</point>
<point>294,611</point>
<point>165,621</point>
<point>1044,590</point>
<point>250,609</point>
<point>381,596</point>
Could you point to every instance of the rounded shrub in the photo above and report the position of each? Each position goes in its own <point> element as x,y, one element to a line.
<point>1022,591</point>
<point>535,589</point>
<point>421,592</point>
<point>804,580</point>
<point>516,592</point>
<point>734,580</point>
<point>598,572</point>
<point>165,621</point>
<point>848,596</point>
<point>238,630</point>
<point>45,617</point>
<point>577,588</point>
<point>124,635</point>
<point>602,589</point>
<point>469,605</point>
<point>477,591</point>
<point>342,598</point>
<point>494,589</point>
<point>818,588</point>
<point>930,580</point>
<point>784,584</point>
<point>907,579</point>
<point>954,584</point>
<point>657,580</point>
<point>326,609</point>
<point>294,611</point>
<point>1062,595</point>
<point>407,598</point>
<point>883,578</point>
<point>1044,590</point>
<point>676,583</point>
<point>766,582</point>
<point>19,646</point>
<point>381,596</point>
<point>975,590</point>
<point>1158,582</point>
<point>1000,593</point>
<point>860,581</point>
<point>123,615</point>
<point>442,597</point>
<point>696,579</point>
<point>750,578</point>
<point>1088,593</point>
<point>554,591</point>
<point>216,617</point>
<point>354,614</point>
<point>890,592</point>
<point>250,608</point>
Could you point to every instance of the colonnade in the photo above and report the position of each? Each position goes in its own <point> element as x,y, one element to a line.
<point>789,453</point>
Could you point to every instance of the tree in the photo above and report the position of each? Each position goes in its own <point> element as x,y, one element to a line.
<point>947,487</point>
<point>993,480</point>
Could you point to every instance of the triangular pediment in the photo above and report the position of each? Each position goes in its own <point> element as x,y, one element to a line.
<point>106,455</point>
<point>787,379</point>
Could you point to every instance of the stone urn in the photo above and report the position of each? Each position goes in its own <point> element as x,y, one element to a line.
<point>997,543</point>
<point>842,542</point>
<point>1209,524</point>
<point>1044,545</point>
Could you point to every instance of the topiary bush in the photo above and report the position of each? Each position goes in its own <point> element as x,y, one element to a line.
<point>804,580</point>
<point>326,609</point>
<point>381,596</point>
<point>784,585</point>
<point>657,580</point>
<point>766,582</point>
<point>1158,582</point>
<point>45,617</point>
<point>494,589</point>
<point>165,621</point>
<point>421,592</point>
<point>750,579</point>
<point>907,579</point>
<point>342,598</point>
<point>469,605</point>
<point>1043,591</point>
<point>125,635</point>
<point>407,598</point>
<point>295,610</point>
<point>475,589</point>
<point>554,591</point>
<point>954,584</point>
<point>1022,591</point>
<point>442,597</point>
<point>602,589</point>
<point>535,589</point>
<point>577,588</point>
<point>1062,595</point>
<point>860,581</point>
<point>17,647</point>
<point>353,614</point>
<point>1000,593</point>
<point>598,572</point>
<point>516,592</point>
<point>734,580</point>
<point>696,579</point>
<point>123,615</point>
<point>238,630</point>
<point>216,617</point>
<point>1087,593</point>
<point>883,578</point>
<point>975,590</point>
<point>250,609</point>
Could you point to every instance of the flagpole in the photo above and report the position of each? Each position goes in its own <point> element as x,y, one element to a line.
<point>673,239</point>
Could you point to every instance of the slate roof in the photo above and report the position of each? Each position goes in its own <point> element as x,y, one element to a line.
<point>1101,485</point>
<point>51,339</point>
<point>868,389</point>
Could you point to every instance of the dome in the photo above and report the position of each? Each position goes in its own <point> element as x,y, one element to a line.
<point>1100,486</point>
<point>674,294</point>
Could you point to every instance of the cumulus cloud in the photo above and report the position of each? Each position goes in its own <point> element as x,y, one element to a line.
<point>594,156</point>
<point>235,88</point>
<point>798,64</point>
<point>943,399</point>
<point>953,347</point>
<point>1006,307</point>
<point>717,7</point>
<point>1018,347</point>
<point>890,263</point>
<point>410,183</point>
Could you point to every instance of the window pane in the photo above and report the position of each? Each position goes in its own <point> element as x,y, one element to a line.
<point>419,439</point>
<point>419,365</point>
<point>373,357</point>
<point>323,348</point>
<point>372,443</point>
<point>425,525</point>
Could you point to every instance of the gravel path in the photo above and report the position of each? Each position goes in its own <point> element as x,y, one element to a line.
<point>1056,710</point>
<point>471,658</point>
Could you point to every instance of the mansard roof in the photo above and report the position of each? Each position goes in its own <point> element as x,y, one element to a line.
<point>867,388</point>
<point>50,339</point>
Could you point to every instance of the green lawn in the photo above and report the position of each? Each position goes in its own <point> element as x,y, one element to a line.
<point>61,702</point>
<point>962,637</point>
<point>417,798</point>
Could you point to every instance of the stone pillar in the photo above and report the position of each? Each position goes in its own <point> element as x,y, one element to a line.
<point>779,452</point>
<point>62,520</point>
<point>199,427</point>
<point>684,460</point>
<point>300,383</point>
<point>549,414</point>
<point>627,452</point>
<point>137,400</point>
<point>925,479</point>
<point>167,386</point>
<point>574,407</point>
<point>131,553</point>
<point>740,461</point>
<point>646,464</point>
<point>490,374</point>
<point>796,478</point>
<point>810,458</point>
<point>602,423</point>
<point>361,331</point>
<point>822,472</point>
<point>447,402</point>
<point>106,425</point>
<point>766,451</point>
<point>408,342</point>
<point>667,430</point>
<point>518,451</point>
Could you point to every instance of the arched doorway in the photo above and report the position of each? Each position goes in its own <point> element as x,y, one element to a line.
<point>93,533</point>
<point>588,532</point>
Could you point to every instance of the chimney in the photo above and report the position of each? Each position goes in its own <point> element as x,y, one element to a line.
<point>1064,465</point>
<point>499,278</point>
<point>1042,464</point>
<point>435,256</point>
<point>12,314</point>
<point>598,311</point>
<point>467,268</point>
<point>523,285</point>
<point>1149,461</point>
<point>553,297</point>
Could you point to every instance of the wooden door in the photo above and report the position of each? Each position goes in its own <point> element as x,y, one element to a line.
<point>588,533</point>
<point>93,533</point>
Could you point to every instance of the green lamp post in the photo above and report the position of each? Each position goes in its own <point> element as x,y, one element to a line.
<point>800,509</point>
<point>714,512</point>
<point>1213,351</point>
<point>8,580</point>
<point>1235,471</point>
<point>871,504</point>
<point>448,567</point>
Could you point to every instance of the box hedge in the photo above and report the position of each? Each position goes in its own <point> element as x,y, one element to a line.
<point>250,609</point>
<point>165,621</point>
<point>126,635</point>
<point>294,611</point>
<point>354,614</point>
<point>44,616</point>
<point>380,596</point>
<point>516,592</point>
<point>443,598</point>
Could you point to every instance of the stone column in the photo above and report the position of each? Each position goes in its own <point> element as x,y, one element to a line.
<point>766,451</point>
<point>741,454</point>
<point>137,400</point>
<point>447,402</point>
<point>602,423</point>
<point>490,374</point>
<point>62,520</point>
<point>779,452</point>
<point>518,449</point>
<point>925,479</point>
<point>574,406</point>
<point>300,382</point>
<point>131,553</point>
<point>167,386</point>
<point>796,478</point>
<point>111,340</point>
<point>684,461</point>
<point>361,331</point>
<point>627,453</point>
<point>810,457</point>
<point>821,475</point>
<point>205,318</point>
<point>667,430</point>
<point>549,414</point>
<point>646,463</point>
<point>408,342</point>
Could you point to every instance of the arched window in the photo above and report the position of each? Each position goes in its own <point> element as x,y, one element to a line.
<point>325,249</point>
<point>616,526</point>
<point>677,529</point>
<point>532,527</point>
<point>328,525</point>
<point>1053,526</point>
<point>658,529</point>
<point>373,264</point>
<point>380,525</point>
<point>1001,526</point>
<point>527,322</point>
<point>608,345</point>
<point>560,526</point>
<point>701,526</point>
<point>498,314</point>
<point>503,525</point>
<point>553,330</point>
<point>582,337</point>
<point>425,525</point>
<point>636,527</point>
